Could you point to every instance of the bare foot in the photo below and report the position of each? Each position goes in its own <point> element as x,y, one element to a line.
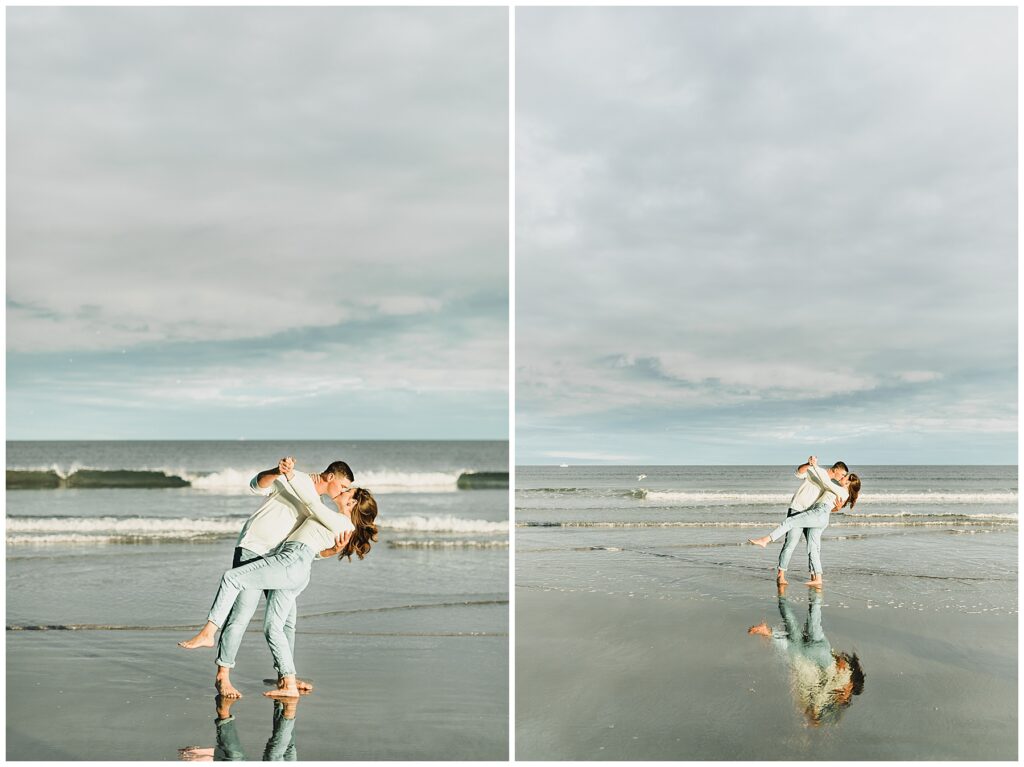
<point>287,688</point>
<point>202,639</point>
<point>762,542</point>
<point>195,754</point>
<point>815,583</point>
<point>781,588</point>
<point>289,691</point>
<point>224,705</point>
<point>225,688</point>
<point>291,706</point>
<point>304,685</point>
<point>761,629</point>
<point>781,578</point>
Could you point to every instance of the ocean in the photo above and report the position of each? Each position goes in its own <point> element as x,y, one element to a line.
<point>935,524</point>
<point>647,628</point>
<point>128,540</point>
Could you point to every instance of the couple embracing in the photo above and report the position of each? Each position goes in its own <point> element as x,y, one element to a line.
<point>822,492</point>
<point>274,556</point>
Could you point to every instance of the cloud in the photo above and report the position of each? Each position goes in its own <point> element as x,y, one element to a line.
<point>225,171</point>
<point>192,192</point>
<point>727,215</point>
<point>590,456</point>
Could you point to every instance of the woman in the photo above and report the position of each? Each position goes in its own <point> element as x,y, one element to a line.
<point>824,680</point>
<point>286,573</point>
<point>815,519</point>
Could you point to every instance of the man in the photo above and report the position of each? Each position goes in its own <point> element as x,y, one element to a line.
<point>809,493</point>
<point>277,518</point>
<point>824,680</point>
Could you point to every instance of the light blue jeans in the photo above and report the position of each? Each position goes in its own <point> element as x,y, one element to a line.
<point>813,521</point>
<point>280,747</point>
<point>789,545</point>
<point>285,573</point>
<point>241,614</point>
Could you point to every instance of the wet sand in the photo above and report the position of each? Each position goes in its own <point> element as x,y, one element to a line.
<point>614,676</point>
<point>436,690</point>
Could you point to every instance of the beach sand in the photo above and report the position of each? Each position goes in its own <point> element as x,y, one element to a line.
<point>408,652</point>
<point>612,676</point>
<point>380,694</point>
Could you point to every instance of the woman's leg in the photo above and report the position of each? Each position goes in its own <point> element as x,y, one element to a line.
<point>816,516</point>
<point>280,571</point>
<point>814,553</point>
<point>280,603</point>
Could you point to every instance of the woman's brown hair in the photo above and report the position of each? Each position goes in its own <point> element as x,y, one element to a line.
<point>364,514</point>
<point>854,489</point>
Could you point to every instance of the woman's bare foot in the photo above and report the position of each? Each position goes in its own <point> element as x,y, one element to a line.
<point>304,685</point>
<point>762,542</point>
<point>761,629</point>
<point>203,639</point>
<point>814,582</point>
<point>195,754</point>
<point>224,686</point>
<point>286,689</point>
<point>781,578</point>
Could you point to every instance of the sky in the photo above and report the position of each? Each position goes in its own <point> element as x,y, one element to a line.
<point>229,223</point>
<point>745,235</point>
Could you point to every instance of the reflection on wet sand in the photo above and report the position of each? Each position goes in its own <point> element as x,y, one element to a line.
<point>823,680</point>
<point>280,747</point>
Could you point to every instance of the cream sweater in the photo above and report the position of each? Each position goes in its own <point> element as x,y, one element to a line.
<point>322,524</point>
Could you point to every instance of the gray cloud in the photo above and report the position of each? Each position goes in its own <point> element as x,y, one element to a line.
<point>188,171</point>
<point>765,206</point>
<point>196,193</point>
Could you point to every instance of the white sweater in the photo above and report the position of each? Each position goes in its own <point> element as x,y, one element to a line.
<point>278,517</point>
<point>816,482</point>
<point>830,491</point>
<point>321,524</point>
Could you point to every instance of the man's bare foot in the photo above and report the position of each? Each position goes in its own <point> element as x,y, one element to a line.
<point>761,629</point>
<point>781,588</point>
<point>291,706</point>
<point>224,705</point>
<point>203,639</point>
<point>815,582</point>
<point>781,578</point>
<point>195,754</point>
<point>224,686</point>
<point>762,542</point>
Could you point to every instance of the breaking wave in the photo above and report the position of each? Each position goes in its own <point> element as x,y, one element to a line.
<point>85,530</point>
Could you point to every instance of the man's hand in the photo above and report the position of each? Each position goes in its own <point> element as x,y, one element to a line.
<point>286,466</point>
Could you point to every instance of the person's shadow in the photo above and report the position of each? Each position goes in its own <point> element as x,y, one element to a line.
<point>280,747</point>
<point>823,680</point>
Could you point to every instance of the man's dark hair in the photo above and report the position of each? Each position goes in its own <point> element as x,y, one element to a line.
<point>841,465</point>
<point>340,468</point>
